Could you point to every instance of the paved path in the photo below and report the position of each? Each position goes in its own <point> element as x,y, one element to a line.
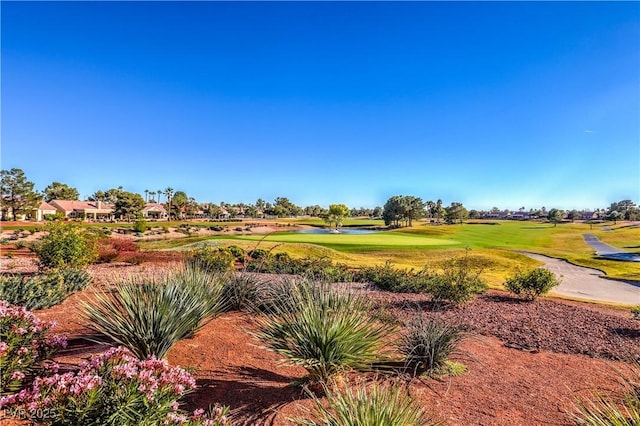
<point>609,252</point>
<point>586,283</point>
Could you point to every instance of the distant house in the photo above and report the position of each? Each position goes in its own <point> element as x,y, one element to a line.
<point>519,215</point>
<point>44,209</point>
<point>589,215</point>
<point>87,210</point>
<point>154,211</point>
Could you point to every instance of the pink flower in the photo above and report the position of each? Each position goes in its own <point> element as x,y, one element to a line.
<point>17,375</point>
<point>3,348</point>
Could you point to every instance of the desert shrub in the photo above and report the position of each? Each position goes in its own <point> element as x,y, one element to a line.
<point>396,280</point>
<point>531,284</point>
<point>237,252</point>
<point>635,311</point>
<point>211,259</point>
<point>427,344</point>
<point>325,331</point>
<point>42,291</point>
<point>241,292</point>
<point>374,405</point>
<point>115,388</point>
<point>606,410</point>
<point>65,246</point>
<point>458,283</point>
<point>140,226</point>
<point>258,253</point>
<point>148,316</point>
<point>316,269</point>
<point>26,342</point>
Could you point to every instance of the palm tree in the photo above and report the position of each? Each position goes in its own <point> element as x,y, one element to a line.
<point>153,196</point>
<point>146,195</point>
<point>169,192</point>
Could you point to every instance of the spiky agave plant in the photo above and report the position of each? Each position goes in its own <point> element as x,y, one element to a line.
<point>373,405</point>
<point>149,315</point>
<point>427,344</point>
<point>604,410</point>
<point>325,332</point>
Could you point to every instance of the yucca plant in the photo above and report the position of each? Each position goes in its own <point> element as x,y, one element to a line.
<point>375,405</point>
<point>604,410</point>
<point>427,345</point>
<point>148,316</point>
<point>326,332</point>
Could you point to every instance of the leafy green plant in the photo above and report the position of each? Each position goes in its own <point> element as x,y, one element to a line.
<point>373,405</point>
<point>427,345</point>
<point>65,246</point>
<point>140,225</point>
<point>148,316</point>
<point>397,280</point>
<point>635,311</point>
<point>325,332</point>
<point>115,388</point>
<point>211,259</point>
<point>458,283</point>
<point>26,343</point>
<point>529,285</point>
<point>44,290</point>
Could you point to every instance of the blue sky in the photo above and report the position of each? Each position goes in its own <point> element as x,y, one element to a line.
<point>504,104</point>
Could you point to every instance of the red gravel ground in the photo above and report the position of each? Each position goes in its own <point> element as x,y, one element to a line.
<point>527,362</point>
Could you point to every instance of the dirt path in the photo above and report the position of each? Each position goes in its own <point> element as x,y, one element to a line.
<point>587,283</point>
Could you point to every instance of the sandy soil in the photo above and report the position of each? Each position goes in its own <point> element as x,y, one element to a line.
<point>524,368</point>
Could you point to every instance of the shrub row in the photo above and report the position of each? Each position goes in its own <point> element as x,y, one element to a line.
<point>44,290</point>
<point>458,282</point>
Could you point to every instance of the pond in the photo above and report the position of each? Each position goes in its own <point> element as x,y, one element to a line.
<point>341,231</point>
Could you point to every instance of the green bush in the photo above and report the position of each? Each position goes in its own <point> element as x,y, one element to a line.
<point>211,259</point>
<point>149,316</point>
<point>65,246</point>
<point>529,285</point>
<point>316,269</point>
<point>396,280</point>
<point>635,311</point>
<point>427,345</point>
<point>42,291</point>
<point>324,331</point>
<point>458,283</point>
<point>140,225</point>
<point>374,405</point>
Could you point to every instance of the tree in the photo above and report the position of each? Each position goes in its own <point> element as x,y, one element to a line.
<point>99,195</point>
<point>17,194</point>
<point>169,193</point>
<point>336,214</point>
<point>456,212</point>
<point>60,191</point>
<point>555,216</point>
<point>146,195</point>
<point>401,209</point>
<point>377,212</point>
<point>178,201</point>
<point>129,205</point>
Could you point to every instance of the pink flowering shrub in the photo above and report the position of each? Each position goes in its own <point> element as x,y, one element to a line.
<point>115,388</point>
<point>26,342</point>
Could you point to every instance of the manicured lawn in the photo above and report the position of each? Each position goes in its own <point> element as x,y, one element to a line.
<point>355,243</point>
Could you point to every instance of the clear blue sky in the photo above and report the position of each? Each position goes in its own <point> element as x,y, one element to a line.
<point>504,104</point>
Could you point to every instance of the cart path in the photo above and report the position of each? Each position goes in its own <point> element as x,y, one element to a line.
<point>587,283</point>
<point>609,252</point>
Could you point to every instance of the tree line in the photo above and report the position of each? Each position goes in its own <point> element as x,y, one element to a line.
<point>19,197</point>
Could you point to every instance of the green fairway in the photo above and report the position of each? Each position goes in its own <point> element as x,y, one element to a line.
<point>361,242</point>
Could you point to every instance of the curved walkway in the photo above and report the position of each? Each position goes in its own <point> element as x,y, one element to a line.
<point>587,283</point>
<point>609,252</point>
